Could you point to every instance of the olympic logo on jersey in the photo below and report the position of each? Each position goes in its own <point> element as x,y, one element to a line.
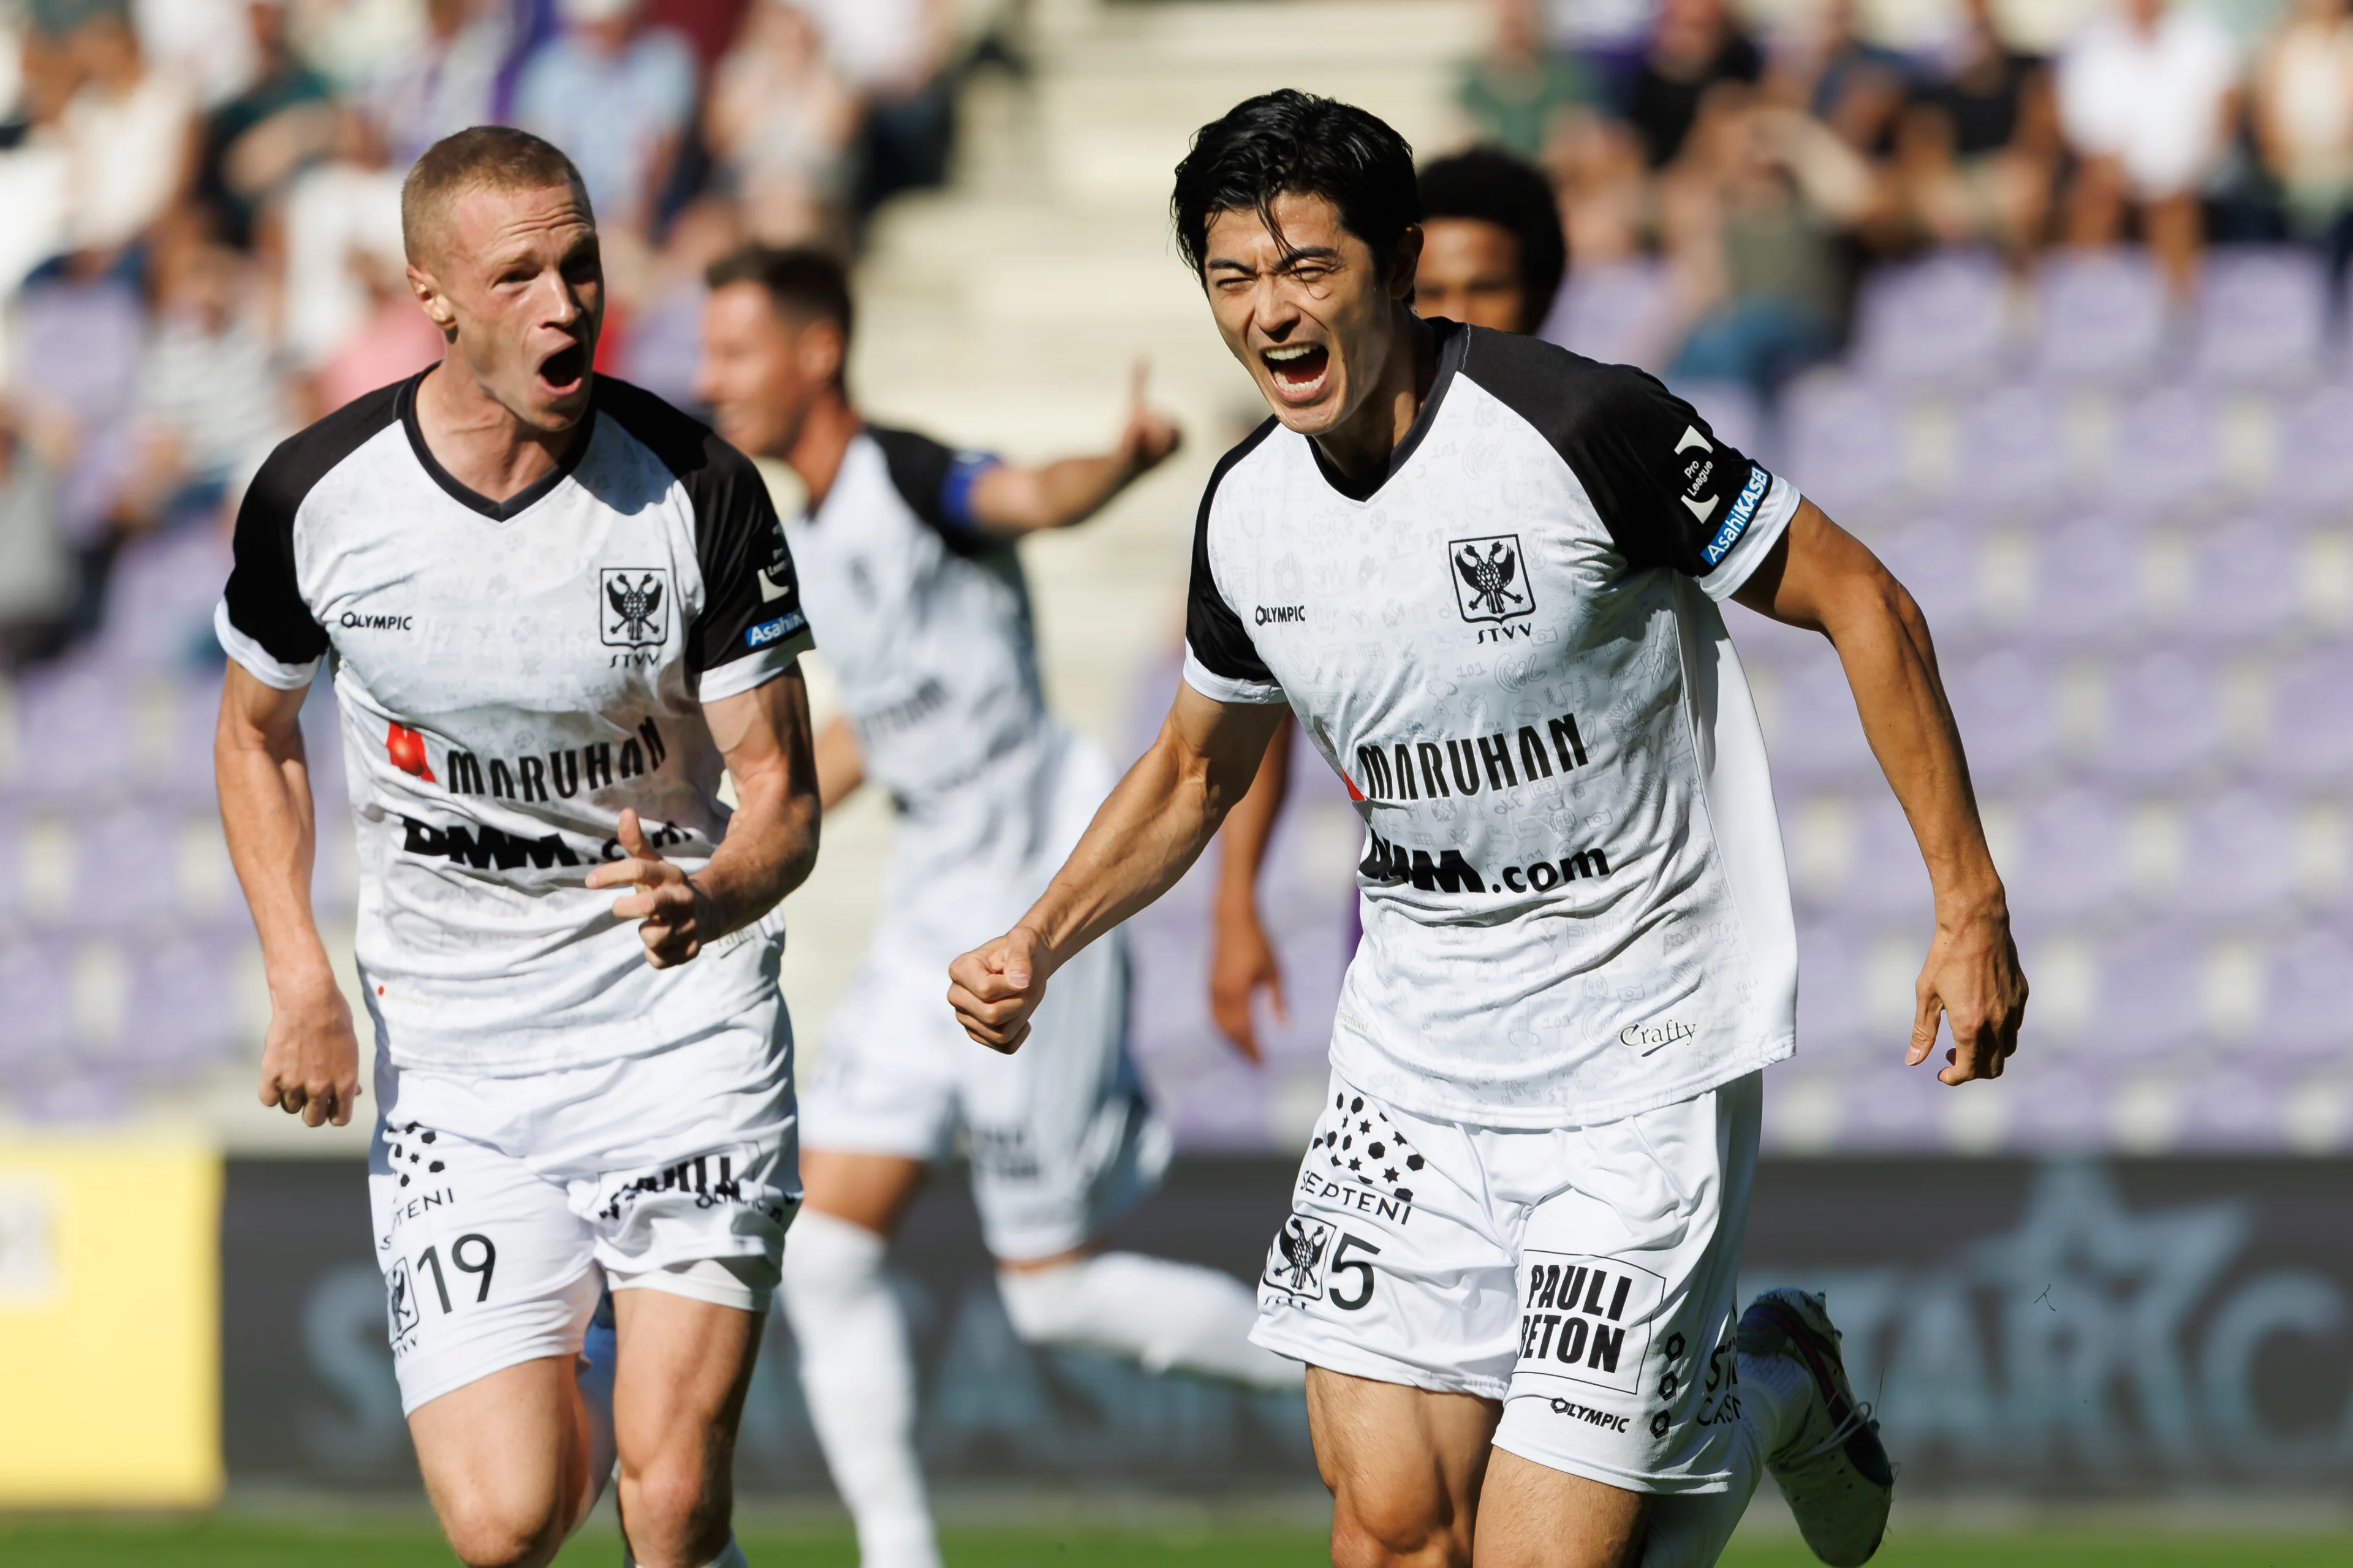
<point>633,607</point>
<point>1488,583</point>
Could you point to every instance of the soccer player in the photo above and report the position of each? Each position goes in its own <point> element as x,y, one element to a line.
<point>556,608</point>
<point>907,552</point>
<point>1491,256</point>
<point>1484,573</point>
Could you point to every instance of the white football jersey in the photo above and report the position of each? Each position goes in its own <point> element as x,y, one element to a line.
<point>926,621</point>
<point>511,676</point>
<point>1575,905</point>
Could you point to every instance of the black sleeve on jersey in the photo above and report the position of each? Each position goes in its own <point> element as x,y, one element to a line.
<point>264,602</point>
<point>1667,489</point>
<point>935,481</point>
<point>748,580</point>
<point>1212,629</point>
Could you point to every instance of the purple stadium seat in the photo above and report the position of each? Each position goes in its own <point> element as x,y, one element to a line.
<point>160,598</point>
<point>2070,864</point>
<point>2101,318</point>
<point>2312,465</point>
<point>1890,1106</point>
<point>2241,858</point>
<point>1845,443</point>
<point>36,980</point>
<point>1734,413</point>
<point>2263,314</point>
<point>74,738</point>
<point>2059,1108</point>
<point>181,1010</point>
<point>2014,449</point>
<point>2303,1016</point>
<point>1811,730</point>
<point>1887,880</point>
<point>2310,744</point>
<point>126,872</point>
<point>1833,1021</point>
<point>2088,582</point>
<point>1938,322</point>
<point>1620,312</point>
<point>2166,454</point>
<point>2148,995</point>
<point>2245,584</point>
<point>77,347</point>
<point>2166,722</point>
<point>2006,703</point>
<point>2234,1106</point>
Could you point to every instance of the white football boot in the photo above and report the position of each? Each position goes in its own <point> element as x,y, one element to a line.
<point>1828,1462</point>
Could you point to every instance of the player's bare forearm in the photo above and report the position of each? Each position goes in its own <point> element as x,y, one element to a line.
<point>263,779</point>
<point>1011,501</point>
<point>1143,838</point>
<point>1822,577</point>
<point>310,1058</point>
<point>1242,960</point>
<point>771,839</point>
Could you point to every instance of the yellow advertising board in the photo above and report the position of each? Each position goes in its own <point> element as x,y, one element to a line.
<point>110,1323</point>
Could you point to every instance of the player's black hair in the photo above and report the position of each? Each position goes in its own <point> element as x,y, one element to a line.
<point>1493,186</point>
<point>1295,142</point>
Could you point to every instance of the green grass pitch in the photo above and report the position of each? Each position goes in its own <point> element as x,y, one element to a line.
<point>231,1543</point>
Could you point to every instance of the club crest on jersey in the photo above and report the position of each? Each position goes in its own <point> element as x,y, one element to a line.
<point>633,607</point>
<point>1488,584</point>
<point>1294,1263</point>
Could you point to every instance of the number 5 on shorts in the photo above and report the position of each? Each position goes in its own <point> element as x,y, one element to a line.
<point>1343,1264</point>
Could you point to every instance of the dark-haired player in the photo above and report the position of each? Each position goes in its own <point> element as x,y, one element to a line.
<point>1484,573</point>
<point>556,608</point>
<point>1492,251</point>
<point>907,555</point>
<point>1491,256</point>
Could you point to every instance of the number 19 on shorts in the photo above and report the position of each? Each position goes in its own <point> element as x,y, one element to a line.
<point>435,1282</point>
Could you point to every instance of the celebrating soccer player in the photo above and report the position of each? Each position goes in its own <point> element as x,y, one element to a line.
<point>908,551</point>
<point>1484,573</point>
<point>556,608</point>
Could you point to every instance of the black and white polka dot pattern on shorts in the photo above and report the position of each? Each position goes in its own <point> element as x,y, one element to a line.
<point>405,1156</point>
<point>1359,1143</point>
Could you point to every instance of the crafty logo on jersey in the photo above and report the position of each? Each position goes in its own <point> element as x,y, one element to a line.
<point>1588,1319</point>
<point>634,605</point>
<point>1411,770</point>
<point>1295,1264</point>
<point>1648,1038</point>
<point>1488,583</point>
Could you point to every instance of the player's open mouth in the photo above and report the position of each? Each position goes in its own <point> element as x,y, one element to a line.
<point>1298,369</point>
<point>561,370</point>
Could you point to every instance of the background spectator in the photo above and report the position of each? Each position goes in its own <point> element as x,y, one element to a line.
<point>1693,44</point>
<point>1521,95</point>
<point>2303,113</point>
<point>448,80</point>
<point>2148,101</point>
<point>1977,147</point>
<point>780,125</point>
<point>618,97</point>
<point>256,141</point>
<point>128,132</point>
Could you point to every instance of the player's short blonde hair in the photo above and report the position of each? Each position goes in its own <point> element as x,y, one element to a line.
<point>483,158</point>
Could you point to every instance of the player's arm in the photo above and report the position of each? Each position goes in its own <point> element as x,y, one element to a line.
<point>840,763</point>
<point>310,1060</point>
<point>1242,960</point>
<point>771,842</point>
<point>1146,836</point>
<point>1822,577</point>
<point>1007,500</point>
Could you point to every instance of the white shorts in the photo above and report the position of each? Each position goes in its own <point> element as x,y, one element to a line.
<point>1586,1277</point>
<point>1059,1133</point>
<point>505,1206</point>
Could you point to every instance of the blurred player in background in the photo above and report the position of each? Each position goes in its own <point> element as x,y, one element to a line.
<point>907,548</point>
<point>556,608</point>
<point>1491,256</point>
<point>1484,573</point>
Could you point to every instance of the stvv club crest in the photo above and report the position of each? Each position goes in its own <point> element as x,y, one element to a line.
<point>635,611</point>
<point>1489,581</point>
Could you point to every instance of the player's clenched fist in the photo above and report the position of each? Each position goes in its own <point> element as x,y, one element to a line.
<point>310,1060</point>
<point>667,907</point>
<point>995,988</point>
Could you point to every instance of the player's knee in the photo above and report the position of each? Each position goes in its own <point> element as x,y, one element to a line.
<point>1391,1532</point>
<point>673,1502</point>
<point>495,1533</point>
<point>1046,1306</point>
